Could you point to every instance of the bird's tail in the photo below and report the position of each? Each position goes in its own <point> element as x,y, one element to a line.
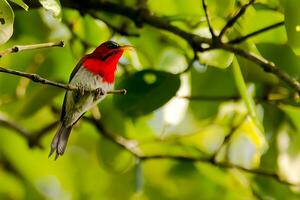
<point>60,140</point>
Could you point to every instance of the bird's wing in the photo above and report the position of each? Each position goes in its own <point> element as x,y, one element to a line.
<point>75,70</point>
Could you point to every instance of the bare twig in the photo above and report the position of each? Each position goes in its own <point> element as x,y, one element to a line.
<point>39,79</point>
<point>232,21</point>
<point>18,48</point>
<point>243,38</point>
<point>204,5</point>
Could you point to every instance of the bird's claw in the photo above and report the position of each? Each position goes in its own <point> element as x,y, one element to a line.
<point>80,89</point>
<point>99,92</point>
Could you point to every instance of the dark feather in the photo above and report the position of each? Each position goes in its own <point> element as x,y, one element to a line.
<point>75,70</point>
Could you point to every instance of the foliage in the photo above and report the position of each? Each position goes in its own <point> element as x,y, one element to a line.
<point>205,117</point>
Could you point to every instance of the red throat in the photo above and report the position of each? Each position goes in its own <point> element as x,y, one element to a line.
<point>106,69</point>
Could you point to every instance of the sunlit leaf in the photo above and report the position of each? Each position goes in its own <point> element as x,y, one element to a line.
<point>266,18</point>
<point>6,21</point>
<point>216,58</point>
<point>53,6</point>
<point>20,3</point>
<point>146,91</point>
<point>247,145</point>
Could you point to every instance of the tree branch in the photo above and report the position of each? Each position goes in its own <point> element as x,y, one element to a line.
<point>33,139</point>
<point>120,30</point>
<point>38,79</point>
<point>232,21</point>
<point>204,5</point>
<point>243,38</point>
<point>145,16</point>
<point>18,48</point>
<point>265,64</point>
<point>210,98</point>
<point>132,147</point>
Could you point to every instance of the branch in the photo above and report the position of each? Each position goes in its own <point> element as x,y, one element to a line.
<point>210,98</point>
<point>232,21</point>
<point>204,5</point>
<point>132,147</point>
<point>18,48</point>
<point>196,41</point>
<point>265,64</point>
<point>38,79</point>
<point>33,139</point>
<point>120,30</point>
<point>5,122</point>
<point>243,38</point>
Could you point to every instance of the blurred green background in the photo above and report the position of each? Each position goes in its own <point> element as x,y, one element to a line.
<point>223,129</point>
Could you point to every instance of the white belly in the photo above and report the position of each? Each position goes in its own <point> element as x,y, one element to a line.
<point>76,103</point>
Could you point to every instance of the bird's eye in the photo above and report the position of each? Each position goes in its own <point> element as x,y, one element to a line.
<point>112,45</point>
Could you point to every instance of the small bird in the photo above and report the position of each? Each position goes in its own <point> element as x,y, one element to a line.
<point>95,71</point>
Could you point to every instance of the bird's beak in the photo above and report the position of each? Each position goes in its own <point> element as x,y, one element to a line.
<point>126,47</point>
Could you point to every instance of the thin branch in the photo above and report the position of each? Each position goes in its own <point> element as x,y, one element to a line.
<point>39,79</point>
<point>33,139</point>
<point>232,21</point>
<point>129,145</point>
<point>5,122</point>
<point>255,33</point>
<point>204,5</point>
<point>120,30</point>
<point>132,147</point>
<point>265,64</point>
<point>196,41</point>
<point>18,48</point>
<point>210,98</point>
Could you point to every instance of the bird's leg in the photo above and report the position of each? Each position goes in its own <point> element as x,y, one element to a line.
<point>99,92</point>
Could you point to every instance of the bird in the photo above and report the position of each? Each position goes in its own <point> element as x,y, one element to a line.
<point>94,71</point>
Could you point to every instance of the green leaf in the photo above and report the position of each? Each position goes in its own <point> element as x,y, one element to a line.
<point>216,58</point>
<point>53,6</point>
<point>6,21</point>
<point>91,30</point>
<point>293,113</point>
<point>113,157</point>
<point>213,82</point>
<point>146,91</point>
<point>266,18</point>
<point>38,99</point>
<point>20,3</point>
<point>247,145</point>
<point>292,24</point>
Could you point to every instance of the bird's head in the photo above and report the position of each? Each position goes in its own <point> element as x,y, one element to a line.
<point>110,51</point>
<point>104,59</point>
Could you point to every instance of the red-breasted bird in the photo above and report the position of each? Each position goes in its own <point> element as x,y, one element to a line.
<point>95,71</point>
